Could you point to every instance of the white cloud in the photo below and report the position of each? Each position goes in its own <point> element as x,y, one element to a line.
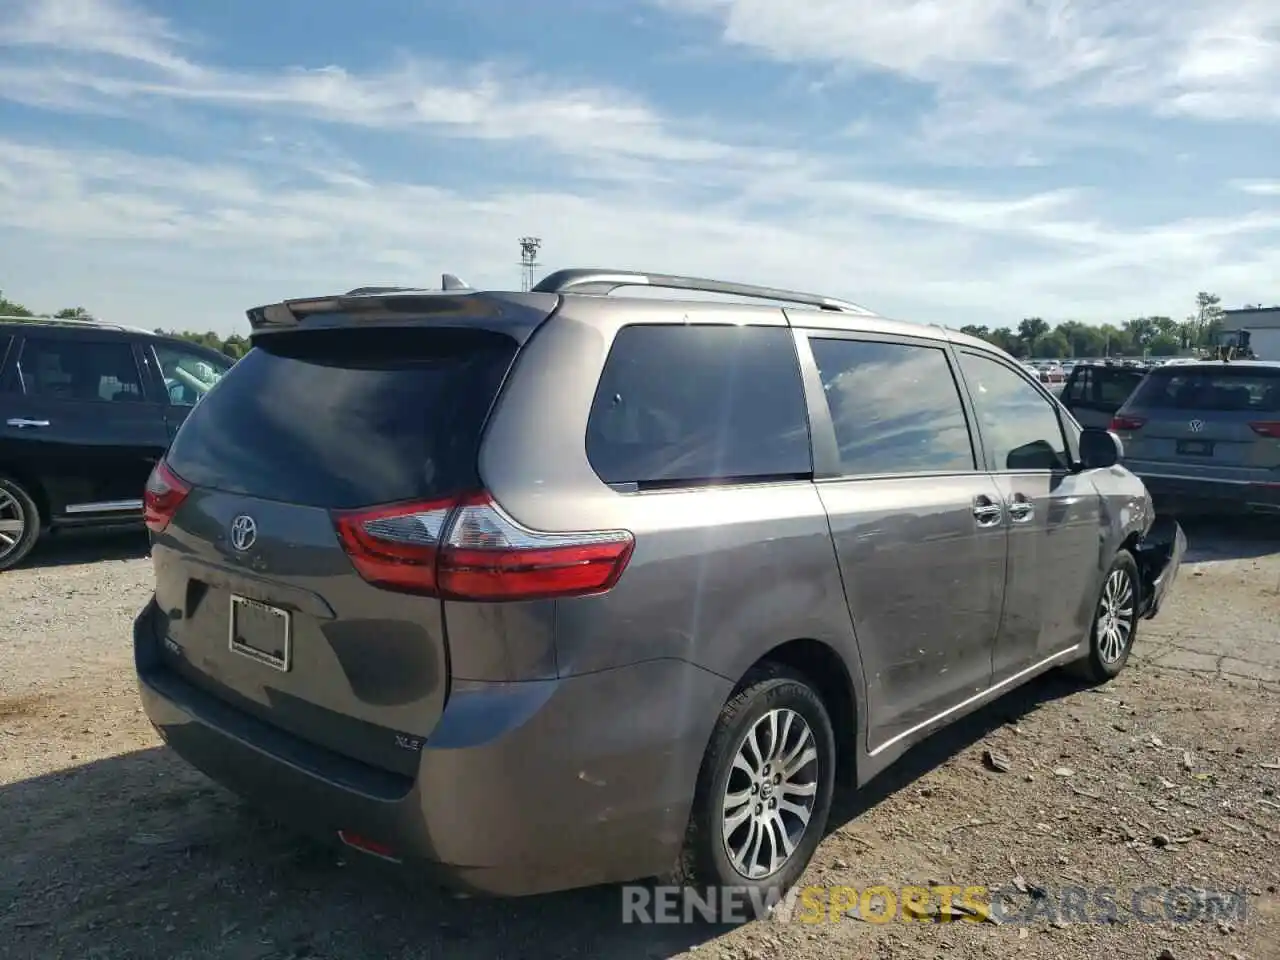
<point>243,235</point>
<point>1210,58</point>
<point>1259,188</point>
<point>634,188</point>
<point>113,27</point>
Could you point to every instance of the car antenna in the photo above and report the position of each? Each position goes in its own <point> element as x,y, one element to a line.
<point>451,282</point>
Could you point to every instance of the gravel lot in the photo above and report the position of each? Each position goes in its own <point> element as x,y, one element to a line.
<point>1168,777</point>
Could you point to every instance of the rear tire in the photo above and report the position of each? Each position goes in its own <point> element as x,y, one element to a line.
<point>1115,622</point>
<point>19,523</point>
<point>763,795</point>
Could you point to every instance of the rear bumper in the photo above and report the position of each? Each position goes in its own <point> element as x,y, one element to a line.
<point>1215,494</point>
<point>1159,555</point>
<point>522,788</point>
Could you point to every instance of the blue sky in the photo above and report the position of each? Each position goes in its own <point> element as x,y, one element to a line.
<point>955,161</point>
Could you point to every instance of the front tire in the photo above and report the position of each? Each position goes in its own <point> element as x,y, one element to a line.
<point>19,523</point>
<point>1115,622</point>
<point>764,792</point>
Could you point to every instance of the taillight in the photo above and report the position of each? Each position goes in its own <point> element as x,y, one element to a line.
<point>469,549</point>
<point>162,496</point>
<point>1266,428</point>
<point>395,546</point>
<point>488,556</point>
<point>1124,424</point>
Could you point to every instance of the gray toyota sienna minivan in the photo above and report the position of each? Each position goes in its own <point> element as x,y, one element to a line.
<point>559,588</point>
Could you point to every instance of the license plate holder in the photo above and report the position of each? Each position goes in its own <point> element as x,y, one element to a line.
<point>1195,448</point>
<point>261,632</point>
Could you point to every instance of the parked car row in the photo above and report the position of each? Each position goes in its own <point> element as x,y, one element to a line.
<point>1202,434</point>
<point>559,588</point>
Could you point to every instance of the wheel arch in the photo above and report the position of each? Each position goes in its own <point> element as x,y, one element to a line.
<point>826,671</point>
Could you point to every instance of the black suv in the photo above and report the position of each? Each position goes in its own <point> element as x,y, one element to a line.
<point>86,410</point>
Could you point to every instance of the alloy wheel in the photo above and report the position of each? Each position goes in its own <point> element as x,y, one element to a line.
<point>13,523</point>
<point>770,794</point>
<point>1115,616</point>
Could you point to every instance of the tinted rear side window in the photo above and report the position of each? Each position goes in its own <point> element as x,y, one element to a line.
<point>1114,386</point>
<point>347,418</point>
<point>699,403</point>
<point>67,368</point>
<point>1214,389</point>
<point>1103,387</point>
<point>895,407</point>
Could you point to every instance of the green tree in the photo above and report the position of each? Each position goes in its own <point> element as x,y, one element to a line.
<point>1202,326</point>
<point>235,346</point>
<point>1140,331</point>
<point>73,313</point>
<point>1032,329</point>
<point>11,308</point>
<point>1007,340</point>
<point>1054,345</point>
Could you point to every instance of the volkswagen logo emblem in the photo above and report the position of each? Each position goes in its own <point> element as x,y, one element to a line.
<point>244,532</point>
<point>1196,426</point>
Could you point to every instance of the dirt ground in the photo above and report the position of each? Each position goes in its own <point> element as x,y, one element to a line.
<point>1165,780</point>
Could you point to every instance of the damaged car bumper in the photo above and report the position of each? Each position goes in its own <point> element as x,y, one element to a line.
<point>1159,555</point>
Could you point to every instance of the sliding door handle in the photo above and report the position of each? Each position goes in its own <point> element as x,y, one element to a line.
<point>987,512</point>
<point>1021,509</point>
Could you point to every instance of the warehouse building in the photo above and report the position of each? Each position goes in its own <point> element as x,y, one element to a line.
<point>1262,325</point>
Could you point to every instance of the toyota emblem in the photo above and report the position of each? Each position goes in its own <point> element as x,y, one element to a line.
<point>244,532</point>
<point>1196,426</point>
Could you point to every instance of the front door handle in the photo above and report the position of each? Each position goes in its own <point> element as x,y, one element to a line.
<point>986,511</point>
<point>22,423</point>
<point>1021,509</point>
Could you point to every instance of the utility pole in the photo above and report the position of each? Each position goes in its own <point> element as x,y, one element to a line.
<point>529,247</point>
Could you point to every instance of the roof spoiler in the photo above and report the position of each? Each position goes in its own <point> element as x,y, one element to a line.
<point>289,313</point>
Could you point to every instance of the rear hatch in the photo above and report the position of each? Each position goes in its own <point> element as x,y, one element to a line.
<point>257,510</point>
<point>1211,420</point>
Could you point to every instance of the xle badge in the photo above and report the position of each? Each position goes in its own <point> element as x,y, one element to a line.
<point>407,741</point>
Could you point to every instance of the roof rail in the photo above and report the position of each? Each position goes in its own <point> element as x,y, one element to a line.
<point>582,280</point>
<point>76,322</point>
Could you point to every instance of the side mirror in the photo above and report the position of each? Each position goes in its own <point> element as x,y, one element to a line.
<point>1099,449</point>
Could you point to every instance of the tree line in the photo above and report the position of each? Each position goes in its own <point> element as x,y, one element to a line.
<point>1142,336</point>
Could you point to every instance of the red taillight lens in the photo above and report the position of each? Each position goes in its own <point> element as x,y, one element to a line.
<point>162,496</point>
<point>469,549</point>
<point>488,556</point>
<point>395,546</point>
<point>1266,428</point>
<point>1124,424</point>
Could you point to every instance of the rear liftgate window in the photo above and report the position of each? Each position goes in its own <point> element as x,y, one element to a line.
<point>347,418</point>
<point>681,405</point>
<point>1216,389</point>
<point>1219,389</point>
